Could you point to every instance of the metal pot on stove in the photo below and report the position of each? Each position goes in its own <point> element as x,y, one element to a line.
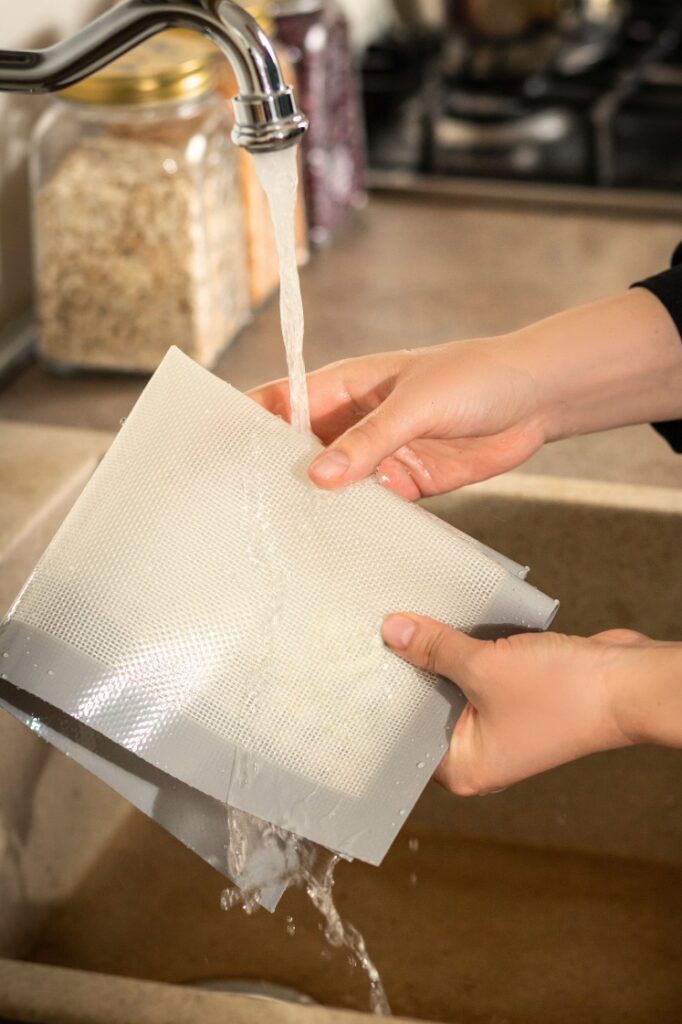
<point>497,19</point>
<point>516,38</point>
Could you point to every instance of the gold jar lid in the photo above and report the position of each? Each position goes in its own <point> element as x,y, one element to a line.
<point>260,10</point>
<point>172,66</point>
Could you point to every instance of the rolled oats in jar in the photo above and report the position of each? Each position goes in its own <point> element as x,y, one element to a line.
<point>139,233</point>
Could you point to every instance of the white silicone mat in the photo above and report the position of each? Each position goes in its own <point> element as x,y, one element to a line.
<point>206,608</point>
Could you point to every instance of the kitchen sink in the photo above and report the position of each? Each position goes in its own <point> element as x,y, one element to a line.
<point>558,900</point>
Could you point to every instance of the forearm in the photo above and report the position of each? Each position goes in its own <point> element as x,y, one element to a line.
<point>614,362</point>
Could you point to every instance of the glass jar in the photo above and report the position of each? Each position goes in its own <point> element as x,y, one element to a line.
<point>316,35</point>
<point>138,227</point>
<point>260,237</point>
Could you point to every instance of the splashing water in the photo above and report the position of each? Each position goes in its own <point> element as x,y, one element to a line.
<point>342,933</point>
<point>306,866</point>
<point>278,175</point>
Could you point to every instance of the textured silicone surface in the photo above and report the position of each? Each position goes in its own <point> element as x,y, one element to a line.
<point>210,611</point>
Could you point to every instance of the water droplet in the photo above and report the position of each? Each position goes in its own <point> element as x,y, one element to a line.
<point>229,898</point>
<point>122,420</point>
<point>420,764</point>
<point>291,927</point>
<point>5,654</point>
<point>50,672</point>
<point>35,664</point>
<point>413,878</point>
<point>413,844</point>
<point>401,812</point>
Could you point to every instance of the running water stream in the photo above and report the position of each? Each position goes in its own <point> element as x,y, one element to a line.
<point>307,865</point>
<point>278,175</point>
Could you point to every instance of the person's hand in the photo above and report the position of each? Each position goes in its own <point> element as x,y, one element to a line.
<point>433,419</point>
<point>538,700</point>
<point>430,420</point>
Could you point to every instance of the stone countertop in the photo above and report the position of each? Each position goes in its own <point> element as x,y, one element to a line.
<point>414,272</point>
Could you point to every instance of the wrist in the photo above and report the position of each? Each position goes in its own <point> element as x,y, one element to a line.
<point>614,362</point>
<point>645,687</point>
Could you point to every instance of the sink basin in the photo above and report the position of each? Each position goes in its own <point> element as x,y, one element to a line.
<point>558,900</point>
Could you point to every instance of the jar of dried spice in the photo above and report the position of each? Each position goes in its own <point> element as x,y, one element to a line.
<point>138,226</point>
<point>316,35</point>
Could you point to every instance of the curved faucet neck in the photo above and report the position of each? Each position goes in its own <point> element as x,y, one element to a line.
<point>265,111</point>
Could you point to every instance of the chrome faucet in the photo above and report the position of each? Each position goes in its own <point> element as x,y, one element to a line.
<point>265,112</point>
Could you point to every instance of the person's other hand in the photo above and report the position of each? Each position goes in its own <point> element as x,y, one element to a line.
<point>434,419</point>
<point>430,420</point>
<point>538,700</point>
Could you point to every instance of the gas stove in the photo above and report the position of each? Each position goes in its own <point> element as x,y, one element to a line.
<point>601,114</point>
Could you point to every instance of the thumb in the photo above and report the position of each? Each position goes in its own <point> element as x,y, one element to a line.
<point>433,646</point>
<point>357,452</point>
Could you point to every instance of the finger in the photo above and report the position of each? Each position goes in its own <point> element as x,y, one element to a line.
<point>430,466</point>
<point>331,411</point>
<point>274,397</point>
<point>397,478</point>
<point>456,774</point>
<point>357,453</point>
<point>469,767</point>
<point>432,646</point>
<point>339,394</point>
<point>327,390</point>
<point>621,636</point>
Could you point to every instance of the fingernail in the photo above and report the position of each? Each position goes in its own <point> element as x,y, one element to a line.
<point>398,630</point>
<point>330,466</point>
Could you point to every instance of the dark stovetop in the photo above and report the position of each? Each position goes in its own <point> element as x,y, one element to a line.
<point>615,123</point>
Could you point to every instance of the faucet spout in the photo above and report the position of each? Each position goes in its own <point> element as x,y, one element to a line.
<point>266,115</point>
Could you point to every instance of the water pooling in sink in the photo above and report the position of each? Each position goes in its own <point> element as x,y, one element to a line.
<point>309,866</point>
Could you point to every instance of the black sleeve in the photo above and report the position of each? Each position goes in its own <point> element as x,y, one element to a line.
<point>667,287</point>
